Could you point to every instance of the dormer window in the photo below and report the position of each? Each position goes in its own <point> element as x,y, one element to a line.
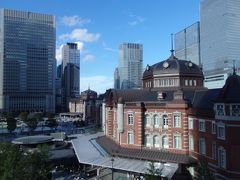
<point>235,110</point>
<point>220,110</point>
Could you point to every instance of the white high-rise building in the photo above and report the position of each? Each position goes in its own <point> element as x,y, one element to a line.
<point>130,65</point>
<point>220,39</point>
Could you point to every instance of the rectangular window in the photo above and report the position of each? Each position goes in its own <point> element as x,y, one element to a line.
<point>165,121</point>
<point>191,143</point>
<point>214,150</point>
<point>220,110</point>
<point>202,146</point>
<point>221,132</point>
<point>130,118</point>
<point>213,128</point>
<point>177,142</point>
<point>221,157</point>
<point>130,138</point>
<point>177,120</point>
<point>235,110</point>
<point>202,126</point>
<point>190,123</point>
<point>186,82</point>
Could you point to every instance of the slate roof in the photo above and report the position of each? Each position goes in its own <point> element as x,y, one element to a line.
<point>144,154</point>
<point>230,93</point>
<point>174,66</point>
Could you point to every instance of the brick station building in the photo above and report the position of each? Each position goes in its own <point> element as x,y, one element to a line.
<point>175,119</point>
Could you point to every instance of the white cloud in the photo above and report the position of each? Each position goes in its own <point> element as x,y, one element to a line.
<point>89,58</point>
<point>105,47</point>
<point>59,54</point>
<point>80,45</point>
<point>74,20</point>
<point>136,20</point>
<point>97,83</point>
<point>80,35</point>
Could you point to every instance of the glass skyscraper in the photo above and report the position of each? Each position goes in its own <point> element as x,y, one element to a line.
<point>187,43</point>
<point>71,73</point>
<point>130,67</point>
<point>220,39</point>
<point>27,61</point>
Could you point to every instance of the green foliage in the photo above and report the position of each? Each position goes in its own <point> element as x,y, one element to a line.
<point>38,116</point>
<point>11,124</point>
<point>23,116</point>
<point>203,171</point>
<point>152,172</point>
<point>50,115</point>
<point>17,164</point>
<point>32,123</point>
<point>51,123</point>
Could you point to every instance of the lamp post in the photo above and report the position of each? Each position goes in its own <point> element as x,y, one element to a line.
<point>112,160</point>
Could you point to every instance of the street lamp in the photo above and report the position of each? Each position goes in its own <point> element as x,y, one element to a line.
<point>112,160</point>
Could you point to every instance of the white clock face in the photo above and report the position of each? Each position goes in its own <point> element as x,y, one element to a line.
<point>165,64</point>
<point>190,64</point>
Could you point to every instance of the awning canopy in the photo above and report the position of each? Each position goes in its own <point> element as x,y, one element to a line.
<point>88,151</point>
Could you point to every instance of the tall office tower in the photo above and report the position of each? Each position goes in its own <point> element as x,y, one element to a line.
<point>220,39</point>
<point>71,73</point>
<point>116,79</point>
<point>130,65</point>
<point>187,43</point>
<point>27,61</point>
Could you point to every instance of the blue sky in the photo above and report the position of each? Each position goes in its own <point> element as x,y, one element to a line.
<point>100,26</point>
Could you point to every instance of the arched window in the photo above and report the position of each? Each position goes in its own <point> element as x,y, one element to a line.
<point>156,121</point>
<point>165,141</point>
<point>147,121</point>
<point>147,141</point>
<point>156,141</point>
<point>165,121</point>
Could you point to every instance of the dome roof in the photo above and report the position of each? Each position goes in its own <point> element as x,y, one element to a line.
<point>230,92</point>
<point>173,66</point>
<point>89,91</point>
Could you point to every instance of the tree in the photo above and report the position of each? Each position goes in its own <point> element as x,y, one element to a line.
<point>32,123</point>
<point>51,123</point>
<point>203,171</point>
<point>38,116</point>
<point>152,172</point>
<point>11,124</point>
<point>18,164</point>
<point>23,116</point>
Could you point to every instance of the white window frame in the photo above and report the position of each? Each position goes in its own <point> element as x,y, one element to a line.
<point>202,128</point>
<point>177,120</point>
<point>147,120</point>
<point>156,145</point>
<point>177,145</point>
<point>156,124</point>
<point>221,135</point>
<point>202,146</point>
<point>165,146</point>
<point>130,140</point>
<point>190,123</point>
<point>191,143</point>
<point>222,157</point>
<point>130,118</point>
<point>220,109</point>
<point>214,127</point>
<point>165,121</point>
<point>148,142</point>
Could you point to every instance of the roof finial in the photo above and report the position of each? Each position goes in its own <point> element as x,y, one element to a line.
<point>234,67</point>
<point>88,86</point>
<point>172,51</point>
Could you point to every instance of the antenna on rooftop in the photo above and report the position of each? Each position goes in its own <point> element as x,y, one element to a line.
<point>172,51</point>
<point>234,67</point>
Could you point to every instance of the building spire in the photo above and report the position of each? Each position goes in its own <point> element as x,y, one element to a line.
<point>172,51</point>
<point>88,86</point>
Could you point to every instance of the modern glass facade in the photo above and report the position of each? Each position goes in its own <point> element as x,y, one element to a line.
<point>27,61</point>
<point>130,65</point>
<point>220,37</point>
<point>71,73</point>
<point>187,43</point>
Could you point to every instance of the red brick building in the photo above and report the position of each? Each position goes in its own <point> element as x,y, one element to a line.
<point>175,115</point>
